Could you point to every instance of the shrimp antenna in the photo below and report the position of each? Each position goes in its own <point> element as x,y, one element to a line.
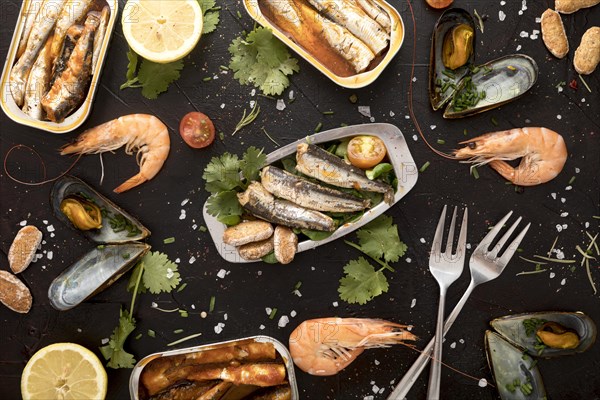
<point>410,91</point>
<point>44,180</point>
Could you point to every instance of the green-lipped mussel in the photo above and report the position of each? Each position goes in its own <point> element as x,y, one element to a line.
<point>92,273</point>
<point>458,46</point>
<point>113,226</point>
<point>562,333</point>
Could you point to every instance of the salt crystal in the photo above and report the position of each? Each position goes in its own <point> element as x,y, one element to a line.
<point>368,398</point>
<point>376,362</point>
<point>502,3</point>
<point>392,113</point>
<point>558,227</point>
<point>559,116</point>
<point>564,214</point>
<point>280,105</point>
<point>45,221</point>
<point>170,273</point>
<point>535,32</point>
<point>182,215</point>
<point>252,103</point>
<point>381,390</point>
<point>153,305</point>
<point>335,303</point>
<point>23,223</point>
<point>221,274</point>
<point>462,341</point>
<point>524,34</point>
<point>194,226</point>
<point>50,255</point>
<point>225,317</point>
<point>569,187</point>
<point>407,117</point>
<point>422,240</point>
<point>192,259</point>
<point>222,106</point>
<point>413,303</point>
<point>501,15</point>
<point>583,100</point>
<point>51,228</point>
<point>184,202</point>
<point>538,20</point>
<point>415,138</point>
<point>520,12</point>
<point>253,92</point>
<point>432,127</point>
<point>560,89</point>
<point>552,275</point>
<point>219,327</point>
<point>297,293</point>
<point>104,341</point>
<point>563,282</point>
<point>259,273</point>
<point>372,119</point>
<point>268,310</point>
<point>52,235</point>
<point>577,170</point>
<point>291,94</point>
<point>283,321</point>
<point>563,200</point>
<point>193,307</point>
<point>177,260</point>
<point>414,79</point>
<point>375,389</point>
<point>559,254</point>
<point>261,327</point>
<point>565,226</point>
<point>453,345</point>
<point>408,260</point>
<point>587,225</point>
<point>468,246</point>
<point>79,330</point>
<point>292,313</point>
<point>483,382</point>
<point>553,195</point>
<point>365,110</point>
<point>533,36</point>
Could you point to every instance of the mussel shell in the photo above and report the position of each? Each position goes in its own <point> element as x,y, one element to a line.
<point>510,77</point>
<point>69,186</point>
<point>92,273</point>
<point>447,21</point>
<point>511,327</point>
<point>507,364</point>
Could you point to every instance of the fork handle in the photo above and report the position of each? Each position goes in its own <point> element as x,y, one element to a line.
<point>435,374</point>
<point>408,380</point>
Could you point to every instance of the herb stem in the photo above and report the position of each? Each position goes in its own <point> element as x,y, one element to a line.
<point>532,261</point>
<point>247,119</point>
<point>195,335</point>
<point>135,289</point>
<point>585,83</point>
<point>537,271</point>
<point>269,136</point>
<point>556,260</point>
<point>382,263</point>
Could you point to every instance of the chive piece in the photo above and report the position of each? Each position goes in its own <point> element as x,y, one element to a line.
<point>151,333</point>
<point>195,335</point>
<point>181,287</point>
<point>424,166</point>
<point>353,98</point>
<point>273,312</point>
<point>126,256</point>
<point>318,127</point>
<point>475,70</point>
<point>100,246</point>
<point>224,67</point>
<point>474,172</point>
<point>465,132</point>
<point>207,78</point>
<point>169,240</point>
<point>441,141</point>
<point>343,124</point>
<point>536,271</point>
<point>178,331</point>
<point>572,180</point>
<point>449,74</point>
<point>211,306</point>
<point>221,136</point>
<point>297,285</point>
<point>138,336</point>
<point>494,121</point>
<point>328,112</point>
<point>239,14</point>
<point>202,228</point>
<point>183,313</point>
<point>585,83</point>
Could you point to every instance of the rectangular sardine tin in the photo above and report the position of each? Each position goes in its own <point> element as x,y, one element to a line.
<point>280,348</point>
<point>77,117</point>
<point>354,81</point>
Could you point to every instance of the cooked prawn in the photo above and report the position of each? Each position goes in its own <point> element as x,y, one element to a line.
<point>325,346</point>
<point>141,133</point>
<point>542,151</point>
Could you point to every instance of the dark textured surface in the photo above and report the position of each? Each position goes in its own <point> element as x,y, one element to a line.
<point>245,292</point>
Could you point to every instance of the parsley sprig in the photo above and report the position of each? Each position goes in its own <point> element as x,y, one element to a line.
<point>380,241</point>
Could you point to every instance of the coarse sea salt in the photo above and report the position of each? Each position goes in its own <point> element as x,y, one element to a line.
<point>283,321</point>
<point>192,260</point>
<point>552,275</point>
<point>293,313</point>
<point>415,138</point>
<point>502,3</point>
<point>261,327</point>
<point>221,274</point>
<point>413,303</point>
<point>50,228</point>
<point>280,105</point>
<point>184,202</point>
<point>564,214</point>
<point>524,34</point>
<point>23,223</point>
<point>563,282</point>
<point>365,110</point>
<point>501,15</point>
<point>392,113</point>
<point>335,303</point>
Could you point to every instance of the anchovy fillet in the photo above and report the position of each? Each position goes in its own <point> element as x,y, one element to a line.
<point>349,15</point>
<point>69,89</point>
<point>308,194</point>
<point>37,83</point>
<point>38,36</point>
<point>99,36</point>
<point>72,12</point>
<point>258,201</point>
<point>30,20</point>
<point>377,13</point>
<point>326,167</point>
<point>60,63</point>
<point>310,30</point>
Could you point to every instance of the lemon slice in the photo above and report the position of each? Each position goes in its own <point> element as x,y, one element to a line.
<point>162,30</point>
<point>64,371</point>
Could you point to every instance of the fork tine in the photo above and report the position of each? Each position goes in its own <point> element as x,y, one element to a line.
<point>512,247</point>
<point>504,239</point>
<point>436,247</point>
<point>450,239</point>
<point>487,240</point>
<point>462,237</point>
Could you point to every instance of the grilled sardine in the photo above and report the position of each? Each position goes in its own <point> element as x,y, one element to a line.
<point>258,201</point>
<point>72,12</point>
<point>38,83</point>
<point>326,167</point>
<point>377,13</point>
<point>69,90</point>
<point>308,194</point>
<point>36,40</point>
<point>313,31</point>
<point>60,63</point>
<point>30,20</point>
<point>99,36</point>
<point>349,15</point>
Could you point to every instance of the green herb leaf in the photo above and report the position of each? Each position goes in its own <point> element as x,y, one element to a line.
<point>222,173</point>
<point>361,283</point>
<point>160,274</point>
<point>252,161</point>
<point>379,239</point>
<point>114,352</point>
<point>134,278</point>
<point>378,170</point>
<point>155,78</point>
<point>270,258</point>
<point>224,204</point>
<point>132,66</point>
<point>211,15</point>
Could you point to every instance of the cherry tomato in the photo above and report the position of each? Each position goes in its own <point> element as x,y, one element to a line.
<point>439,3</point>
<point>197,130</point>
<point>366,151</point>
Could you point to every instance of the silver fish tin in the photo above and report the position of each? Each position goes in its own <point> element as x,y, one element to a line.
<point>77,117</point>
<point>399,156</point>
<point>134,379</point>
<point>354,81</point>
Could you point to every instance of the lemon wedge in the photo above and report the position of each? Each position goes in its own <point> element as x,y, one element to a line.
<point>64,371</point>
<point>162,31</point>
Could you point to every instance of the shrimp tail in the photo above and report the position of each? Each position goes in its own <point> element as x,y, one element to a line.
<point>130,183</point>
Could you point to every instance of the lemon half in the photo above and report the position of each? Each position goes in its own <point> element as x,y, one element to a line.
<point>64,371</point>
<point>162,30</point>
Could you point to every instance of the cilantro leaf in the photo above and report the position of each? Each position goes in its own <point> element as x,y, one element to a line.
<point>211,15</point>
<point>137,270</point>
<point>224,204</point>
<point>262,60</point>
<point>222,173</point>
<point>132,66</point>
<point>160,274</point>
<point>361,282</point>
<point>252,161</point>
<point>155,78</point>
<point>379,238</point>
<point>114,352</point>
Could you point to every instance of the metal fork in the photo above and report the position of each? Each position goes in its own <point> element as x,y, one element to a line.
<point>485,265</point>
<point>446,268</point>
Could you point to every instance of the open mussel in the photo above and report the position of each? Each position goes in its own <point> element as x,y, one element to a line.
<point>548,334</point>
<point>492,85</point>
<point>94,272</point>
<point>452,53</point>
<point>78,205</point>
<point>516,374</point>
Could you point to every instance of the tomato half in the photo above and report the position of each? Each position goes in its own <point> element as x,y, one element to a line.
<point>197,130</point>
<point>366,151</point>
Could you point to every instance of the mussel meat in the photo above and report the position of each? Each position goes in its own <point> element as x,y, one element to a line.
<point>77,205</point>
<point>458,46</point>
<point>443,80</point>
<point>516,375</point>
<point>94,272</point>
<point>83,214</point>
<point>548,334</point>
